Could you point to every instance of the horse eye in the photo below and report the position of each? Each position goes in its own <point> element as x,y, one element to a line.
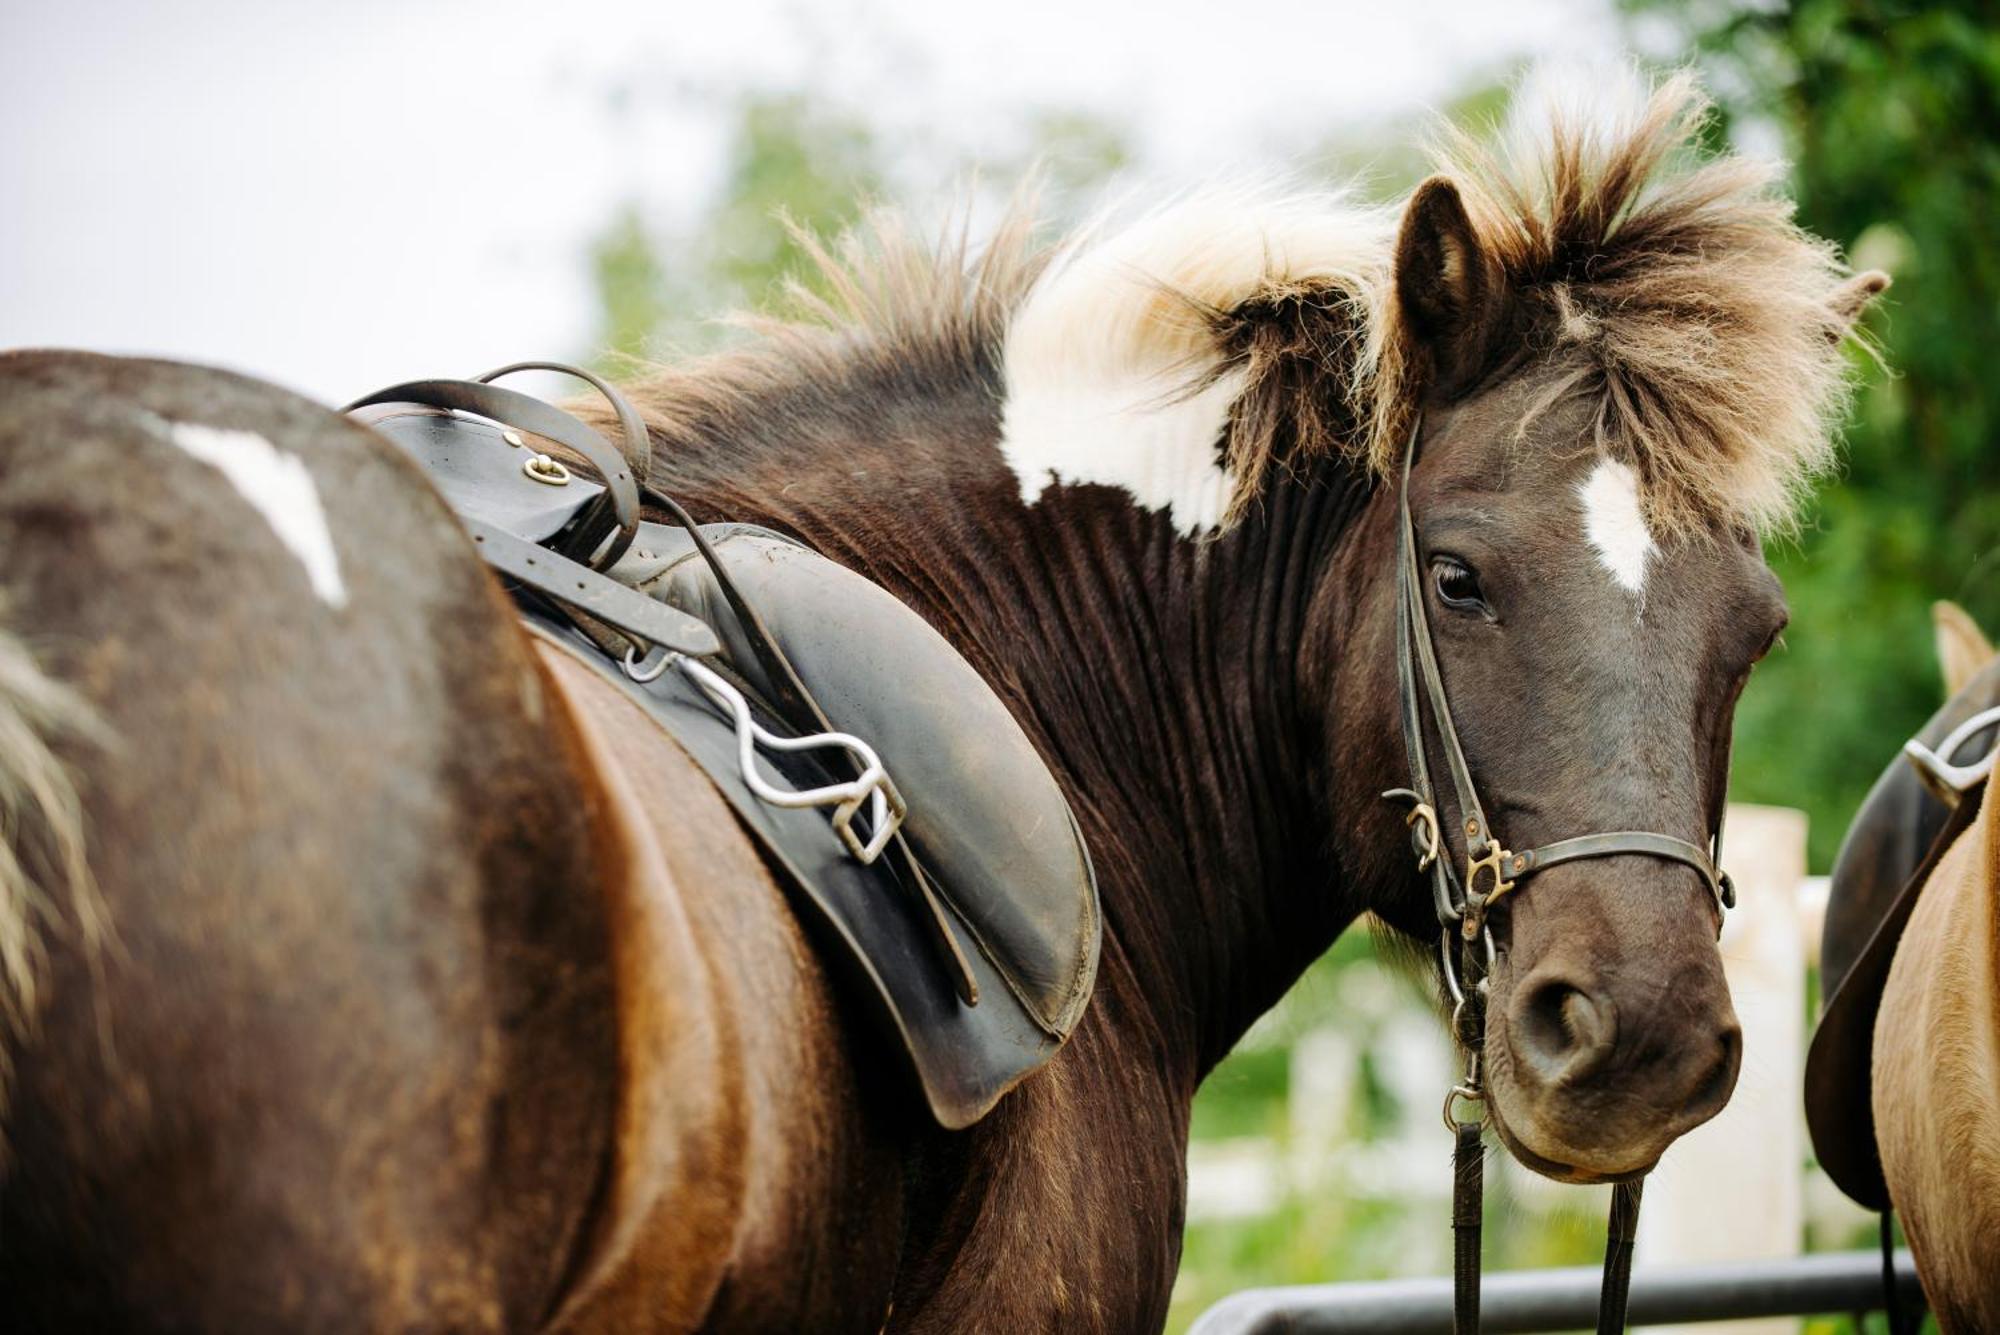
<point>1457,585</point>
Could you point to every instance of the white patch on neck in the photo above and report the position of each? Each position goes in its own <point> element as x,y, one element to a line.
<point>1099,356</point>
<point>1614,523</point>
<point>278,487</point>
<point>1115,432</point>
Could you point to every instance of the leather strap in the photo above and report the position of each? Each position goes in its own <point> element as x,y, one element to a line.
<point>1616,845</point>
<point>636,439</point>
<point>1468,1201</point>
<point>1622,1232</point>
<point>614,515</point>
<point>586,591</point>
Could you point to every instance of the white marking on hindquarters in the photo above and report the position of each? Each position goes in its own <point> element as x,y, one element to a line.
<point>1100,357</point>
<point>278,487</point>
<point>1615,524</point>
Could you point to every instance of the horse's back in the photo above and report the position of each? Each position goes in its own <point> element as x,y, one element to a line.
<point>1936,1085</point>
<point>342,1056</point>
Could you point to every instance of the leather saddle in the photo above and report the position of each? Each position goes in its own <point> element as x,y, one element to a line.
<point>1916,811</point>
<point>964,912</point>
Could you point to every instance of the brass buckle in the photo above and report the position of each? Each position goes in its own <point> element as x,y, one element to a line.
<point>1476,904</point>
<point>1427,848</point>
<point>1472,1089</point>
<point>1470,1095</point>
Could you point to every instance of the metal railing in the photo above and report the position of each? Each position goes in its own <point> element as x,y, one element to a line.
<point>1525,1302</point>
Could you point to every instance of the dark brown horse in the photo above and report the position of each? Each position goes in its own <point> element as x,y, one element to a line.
<point>372,967</point>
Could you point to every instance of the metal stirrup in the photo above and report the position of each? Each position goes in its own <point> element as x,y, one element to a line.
<point>872,785</point>
<point>1947,780</point>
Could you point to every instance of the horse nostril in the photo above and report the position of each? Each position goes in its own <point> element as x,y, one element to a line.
<point>1710,1096</point>
<point>1562,1030</point>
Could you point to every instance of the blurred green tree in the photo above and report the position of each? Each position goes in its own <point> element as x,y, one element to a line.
<point>792,160</point>
<point>1890,111</point>
<point>632,296</point>
<point>795,161</point>
<point>799,161</point>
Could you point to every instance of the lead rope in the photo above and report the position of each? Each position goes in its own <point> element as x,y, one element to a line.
<point>1468,1193</point>
<point>1619,1236</point>
<point>1468,1155</point>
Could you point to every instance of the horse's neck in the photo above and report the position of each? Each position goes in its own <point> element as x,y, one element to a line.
<point>1156,672</point>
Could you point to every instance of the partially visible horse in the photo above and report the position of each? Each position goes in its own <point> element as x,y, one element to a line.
<point>370,966</point>
<point>1930,1076</point>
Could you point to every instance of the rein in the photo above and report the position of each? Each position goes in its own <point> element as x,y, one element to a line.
<point>1492,872</point>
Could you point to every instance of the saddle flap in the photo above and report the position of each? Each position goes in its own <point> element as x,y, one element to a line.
<point>1840,1114</point>
<point>986,818</point>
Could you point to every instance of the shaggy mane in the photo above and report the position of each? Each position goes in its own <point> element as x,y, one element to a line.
<point>890,303</point>
<point>1675,291</point>
<point>1701,318</point>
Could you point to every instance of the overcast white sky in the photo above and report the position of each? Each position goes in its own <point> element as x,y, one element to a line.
<point>336,196</point>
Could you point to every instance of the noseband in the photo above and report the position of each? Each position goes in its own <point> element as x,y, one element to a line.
<point>1493,871</point>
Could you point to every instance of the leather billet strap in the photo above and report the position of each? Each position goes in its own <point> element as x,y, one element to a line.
<point>625,609</point>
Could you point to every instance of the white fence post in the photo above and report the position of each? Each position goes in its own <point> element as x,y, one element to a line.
<point>1731,1190</point>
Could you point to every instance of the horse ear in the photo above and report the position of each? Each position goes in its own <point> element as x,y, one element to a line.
<point>1853,297</point>
<point>1962,649</point>
<point>1448,287</point>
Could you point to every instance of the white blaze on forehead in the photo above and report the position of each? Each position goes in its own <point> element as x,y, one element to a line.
<point>279,488</point>
<point>1614,523</point>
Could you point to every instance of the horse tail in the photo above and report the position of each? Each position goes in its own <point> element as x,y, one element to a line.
<point>45,878</point>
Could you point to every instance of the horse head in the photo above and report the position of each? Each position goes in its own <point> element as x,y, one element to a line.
<point>1607,389</point>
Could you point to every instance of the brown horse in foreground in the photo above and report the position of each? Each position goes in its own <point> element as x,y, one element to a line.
<point>371,967</point>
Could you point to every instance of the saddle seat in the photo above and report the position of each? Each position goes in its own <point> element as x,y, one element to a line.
<point>985,820</point>
<point>985,814</point>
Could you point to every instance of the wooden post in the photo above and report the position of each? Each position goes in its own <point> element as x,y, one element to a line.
<point>1732,1190</point>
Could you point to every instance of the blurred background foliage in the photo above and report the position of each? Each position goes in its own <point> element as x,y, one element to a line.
<point>1890,116</point>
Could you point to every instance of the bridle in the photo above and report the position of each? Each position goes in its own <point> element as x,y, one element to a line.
<point>1492,872</point>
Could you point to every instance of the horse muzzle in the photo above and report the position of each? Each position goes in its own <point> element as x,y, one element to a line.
<point>1594,1072</point>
